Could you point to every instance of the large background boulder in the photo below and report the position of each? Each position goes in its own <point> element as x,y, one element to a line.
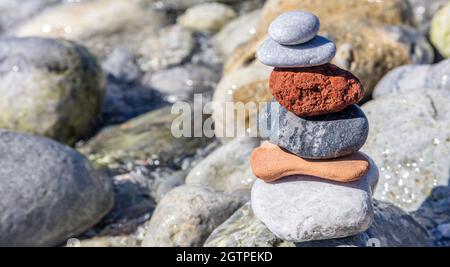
<point>48,192</point>
<point>48,87</point>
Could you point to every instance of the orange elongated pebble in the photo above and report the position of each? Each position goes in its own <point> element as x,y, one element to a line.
<point>270,162</point>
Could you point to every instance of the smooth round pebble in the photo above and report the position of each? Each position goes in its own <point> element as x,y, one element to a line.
<point>316,52</point>
<point>294,27</point>
<point>319,137</point>
<point>303,208</point>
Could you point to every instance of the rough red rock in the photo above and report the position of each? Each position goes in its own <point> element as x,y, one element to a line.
<point>315,90</point>
<point>270,162</point>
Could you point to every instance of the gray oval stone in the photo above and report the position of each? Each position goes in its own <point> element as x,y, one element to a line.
<point>316,52</point>
<point>294,27</point>
<point>48,87</point>
<point>48,191</point>
<point>304,208</point>
<point>319,137</point>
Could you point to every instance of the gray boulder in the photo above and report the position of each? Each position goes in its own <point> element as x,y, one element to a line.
<point>49,87</point>
<point>48,192</point>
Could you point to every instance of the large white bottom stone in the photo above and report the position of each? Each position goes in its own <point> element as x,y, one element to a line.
<point>304,208</point>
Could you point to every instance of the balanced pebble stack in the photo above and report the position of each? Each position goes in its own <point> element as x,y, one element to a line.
<point>313,183</point>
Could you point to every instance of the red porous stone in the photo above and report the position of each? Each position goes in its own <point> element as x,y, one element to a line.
<point>315,90</point>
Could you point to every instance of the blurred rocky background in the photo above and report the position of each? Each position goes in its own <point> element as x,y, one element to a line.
<point>86,88</point>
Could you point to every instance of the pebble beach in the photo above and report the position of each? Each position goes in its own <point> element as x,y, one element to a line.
<point>350,141</point>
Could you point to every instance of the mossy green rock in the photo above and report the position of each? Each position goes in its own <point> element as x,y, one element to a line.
<point>145,138</point>
<point>440,30</point>
<point>48,87</point>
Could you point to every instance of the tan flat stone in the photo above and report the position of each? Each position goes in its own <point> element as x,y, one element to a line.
<point>270,163</point>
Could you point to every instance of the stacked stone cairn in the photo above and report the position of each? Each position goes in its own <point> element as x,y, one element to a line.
<point>313,182</point>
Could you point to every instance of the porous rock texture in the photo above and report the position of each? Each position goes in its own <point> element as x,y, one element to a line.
<point>315,90</point>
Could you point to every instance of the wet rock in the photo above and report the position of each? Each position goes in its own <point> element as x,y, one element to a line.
<point>188,214</point>
<point>101,25</point>
<point>44,183</point>
<point>209,17</point>
<point>227,168</point>
<point>147,138</point>
<point>182,82</point>
<point>49,87</point>
<point>172,45</point>
<point>410,147</point>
